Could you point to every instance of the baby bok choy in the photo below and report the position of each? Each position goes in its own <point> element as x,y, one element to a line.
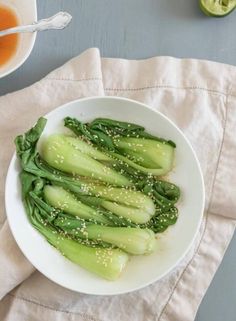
<point>132,205</point>
<point>135,241</point>
<point>127,142</point>
<point>67,202</point>
<point>146,155</point>
<point>107,263</point>
<point>73,156</point>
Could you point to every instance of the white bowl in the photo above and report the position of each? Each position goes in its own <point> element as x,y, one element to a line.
<point>172,244</point>
<point>26,11</point>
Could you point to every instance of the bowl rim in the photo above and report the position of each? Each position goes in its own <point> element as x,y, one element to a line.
<point>26,56</point>
<point>155,279</point>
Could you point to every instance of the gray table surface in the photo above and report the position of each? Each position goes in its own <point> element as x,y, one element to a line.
<point>140,29</point>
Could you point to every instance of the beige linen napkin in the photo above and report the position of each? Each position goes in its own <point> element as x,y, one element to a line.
<point>200,97</point>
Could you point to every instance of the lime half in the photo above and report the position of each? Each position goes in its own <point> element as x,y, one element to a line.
<point>217,8</point>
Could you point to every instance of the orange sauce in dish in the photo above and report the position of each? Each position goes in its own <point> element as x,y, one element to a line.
<point>8,44</point>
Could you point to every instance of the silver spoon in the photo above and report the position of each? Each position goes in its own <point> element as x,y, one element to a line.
<point>58,21</point>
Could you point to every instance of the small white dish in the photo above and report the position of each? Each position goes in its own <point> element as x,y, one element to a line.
<point>26,12</point>
<point>172,244</point>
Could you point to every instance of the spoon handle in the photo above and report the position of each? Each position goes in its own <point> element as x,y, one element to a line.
<point>58,21</point>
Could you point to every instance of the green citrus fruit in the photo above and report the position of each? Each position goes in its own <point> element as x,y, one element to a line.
<point>217,8</point>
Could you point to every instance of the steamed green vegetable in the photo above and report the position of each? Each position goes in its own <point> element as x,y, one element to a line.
<point>67,202</point>
<point>135,241</point>
<point>146,155</point>
<point>59,152</point>
<point>97,195</point>
<point>132,205</point>
<point>107,263</point>
<point>127,142</point>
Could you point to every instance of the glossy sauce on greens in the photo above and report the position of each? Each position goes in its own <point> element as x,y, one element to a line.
<point>8,44</point>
